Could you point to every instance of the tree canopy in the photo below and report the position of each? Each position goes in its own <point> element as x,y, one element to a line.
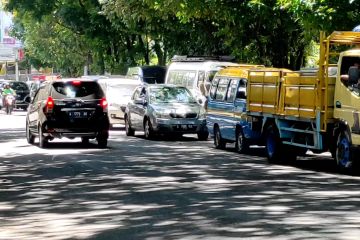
<point>110,35</point>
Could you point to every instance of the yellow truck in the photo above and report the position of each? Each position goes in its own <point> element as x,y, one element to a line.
<point>316,109</point>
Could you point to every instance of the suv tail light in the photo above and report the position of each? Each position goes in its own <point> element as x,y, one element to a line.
<point>76,82</point>
<point>104,104</point>
<point>49,105</point>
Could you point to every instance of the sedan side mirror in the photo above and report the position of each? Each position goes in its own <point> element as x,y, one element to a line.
<point>140,101</point>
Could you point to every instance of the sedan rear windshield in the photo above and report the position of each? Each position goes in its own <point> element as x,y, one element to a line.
<point>77,89</point>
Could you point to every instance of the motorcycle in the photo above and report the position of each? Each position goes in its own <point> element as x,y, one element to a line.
<point>9,103</point>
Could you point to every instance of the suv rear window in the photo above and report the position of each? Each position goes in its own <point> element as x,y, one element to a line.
<point>19,86</point>
<point>77,89</point>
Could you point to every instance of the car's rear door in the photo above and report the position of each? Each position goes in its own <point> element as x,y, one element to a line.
<point>35,108</point>
<point>78,104</point>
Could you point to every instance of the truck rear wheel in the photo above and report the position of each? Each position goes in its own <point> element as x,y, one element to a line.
<point>273,144</point>
<point>343,154</point>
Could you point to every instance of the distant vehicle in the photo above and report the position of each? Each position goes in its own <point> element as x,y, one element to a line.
<point>68,108</point>
<point>164,109</point>
<point>118,93</point>
<point>148,74</point>
<point>22,94</point>
<point>195,73</point>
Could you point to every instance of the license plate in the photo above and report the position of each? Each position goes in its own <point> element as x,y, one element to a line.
<point>185,126</point>
<point>78,114</point>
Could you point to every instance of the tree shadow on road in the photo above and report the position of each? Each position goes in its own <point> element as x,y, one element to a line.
<point>171,190</point>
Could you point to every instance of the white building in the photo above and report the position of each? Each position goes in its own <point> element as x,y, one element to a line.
<point>8,45</point>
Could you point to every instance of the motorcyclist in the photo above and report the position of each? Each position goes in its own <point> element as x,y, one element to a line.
<point>7,91</point>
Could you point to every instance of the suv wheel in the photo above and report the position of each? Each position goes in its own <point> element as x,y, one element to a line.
<point>85,140</point>
<point>29,137</point>
<point>102,139</point>
<point>43,142</point>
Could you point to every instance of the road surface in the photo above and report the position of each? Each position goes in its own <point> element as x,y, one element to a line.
<point>167,189</point>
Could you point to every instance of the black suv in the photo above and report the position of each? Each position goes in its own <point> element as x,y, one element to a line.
<point>68,108</point>
<point>22,91</point>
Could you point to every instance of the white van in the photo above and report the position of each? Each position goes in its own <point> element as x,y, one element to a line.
<point>195,73</point>
<point>118,93</point>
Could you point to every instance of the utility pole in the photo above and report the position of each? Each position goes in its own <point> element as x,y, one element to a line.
<point>16,64</point>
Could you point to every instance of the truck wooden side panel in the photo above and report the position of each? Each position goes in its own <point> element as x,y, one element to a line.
<point>288,94</point>
<point>263,91</point>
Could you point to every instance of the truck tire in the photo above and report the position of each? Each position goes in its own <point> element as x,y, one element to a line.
<point>242,144</point>
<point>273,144</point>
<point>343,154</point>
<point>219,142</point>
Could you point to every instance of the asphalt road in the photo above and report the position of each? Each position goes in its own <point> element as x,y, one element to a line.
<point>167,189</point>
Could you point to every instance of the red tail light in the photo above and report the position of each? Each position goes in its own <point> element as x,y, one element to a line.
<point>76,82</point>
<point>49,105</point>
<point>104,104</point>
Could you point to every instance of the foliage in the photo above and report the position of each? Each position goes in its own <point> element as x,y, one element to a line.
<point>109,35</point>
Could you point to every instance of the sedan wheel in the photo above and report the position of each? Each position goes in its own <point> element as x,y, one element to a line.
<point>148,131</point>
<point>128,129</point>
<point>203,136</point>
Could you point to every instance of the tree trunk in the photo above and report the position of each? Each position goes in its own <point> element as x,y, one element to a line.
<point>159,53</point>
<point>144,46</point>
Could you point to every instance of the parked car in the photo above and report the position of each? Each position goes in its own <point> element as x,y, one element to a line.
<point>68,108</point>
<point>118,93</point>
<point>164,109</point>
<point>22,91</point>
<point>226,109</point>
<point>148,74</point>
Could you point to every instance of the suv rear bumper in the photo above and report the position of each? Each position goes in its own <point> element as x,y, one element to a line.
<point>57,130</point>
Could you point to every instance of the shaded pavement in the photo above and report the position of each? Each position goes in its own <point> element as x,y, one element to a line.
<point>175,189</point>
